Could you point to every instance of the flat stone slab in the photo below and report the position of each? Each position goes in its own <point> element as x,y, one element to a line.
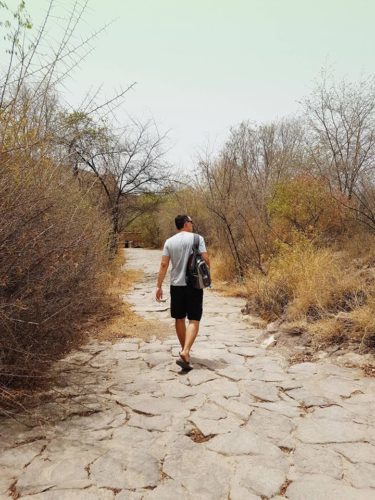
<point>126,424</point>
<point>258,478</point>
<point>199,471</point>
<point>130,468</point>
<point>243,442</point>
<point>266,392</point>
<point>315,459</point>
<point>323,487</point>
<point>91,493</point>
<point>320,431</point>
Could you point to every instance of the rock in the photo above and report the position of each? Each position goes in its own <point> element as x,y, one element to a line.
<point>304,368</point>
<point>361,475</point>
<point>322,487</point>
<point>19,456</point>
<point>279,407</point>
<point>243,442</point>
<point>7,479</point>
<point>245,351</point>
<point>258,478</point>
<point>157,423</point>
<point>171,490</point>
<point>305,397</point>
<point>197,377</point>
<point>91,493</point>
<point>233,406</point>
<point>260,390</point>
<point>151,405</point>
<point>235,373</point>
<point>240,493</point>
<point>269,341</point>
<point>309,459</point>
<point>211,411</point>
<point>124,345</point>
<point>321,431</point>
<point>355,359</point>
<point>222,387</point>
<point>215,426</point>
<point>201,473</point>
<point>157,358</point>
<point>42,474</point>
<point>128,468</point>
<point>273,426</point>
<point>176,389</point>
<point>357,452</point>
<point>338,387</point>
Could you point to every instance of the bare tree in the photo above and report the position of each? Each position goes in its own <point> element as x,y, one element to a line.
<point>341,120</point>
<point>125,165</point>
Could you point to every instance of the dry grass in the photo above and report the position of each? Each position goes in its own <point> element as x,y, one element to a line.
<point>119,320</point>
<point>329,294</point>
<point>53,257</point>
<point>223,275</point>
<point>354,327</point>
<point>306,283</point>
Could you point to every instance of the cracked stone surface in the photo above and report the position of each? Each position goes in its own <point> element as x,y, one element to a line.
<point>124,423</point>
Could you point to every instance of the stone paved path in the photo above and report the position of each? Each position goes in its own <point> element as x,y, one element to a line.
<point>243,425</point>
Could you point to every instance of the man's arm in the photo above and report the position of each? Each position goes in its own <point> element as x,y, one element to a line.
<point>162,272</point>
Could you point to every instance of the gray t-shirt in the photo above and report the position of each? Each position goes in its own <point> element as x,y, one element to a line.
<point>178,248</point>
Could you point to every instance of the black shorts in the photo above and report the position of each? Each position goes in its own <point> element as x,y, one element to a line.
<point>186,301</point>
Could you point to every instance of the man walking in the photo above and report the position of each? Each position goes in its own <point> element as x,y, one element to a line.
<point>185,300</point>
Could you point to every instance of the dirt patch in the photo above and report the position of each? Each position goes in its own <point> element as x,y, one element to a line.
<point>120,321</point>
<point>198,437</point>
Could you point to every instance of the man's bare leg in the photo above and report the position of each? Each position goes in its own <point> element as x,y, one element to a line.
<point>181,331</point>
<point>190,336</point>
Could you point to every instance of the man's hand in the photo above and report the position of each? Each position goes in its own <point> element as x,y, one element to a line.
<point>162,271</point>
<point>159,293</point>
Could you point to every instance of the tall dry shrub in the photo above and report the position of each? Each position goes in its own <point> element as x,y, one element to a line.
<point>305,282</point>
<point>53,256</point>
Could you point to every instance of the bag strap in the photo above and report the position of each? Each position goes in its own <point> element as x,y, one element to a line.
<point>196,242</point>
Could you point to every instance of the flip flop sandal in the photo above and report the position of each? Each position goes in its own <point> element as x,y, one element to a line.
<point>184,365</point>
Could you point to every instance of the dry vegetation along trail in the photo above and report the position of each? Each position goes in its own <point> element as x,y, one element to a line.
<point>123,423</point>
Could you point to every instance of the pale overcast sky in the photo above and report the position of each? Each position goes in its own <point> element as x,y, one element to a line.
<point>202,66</point>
